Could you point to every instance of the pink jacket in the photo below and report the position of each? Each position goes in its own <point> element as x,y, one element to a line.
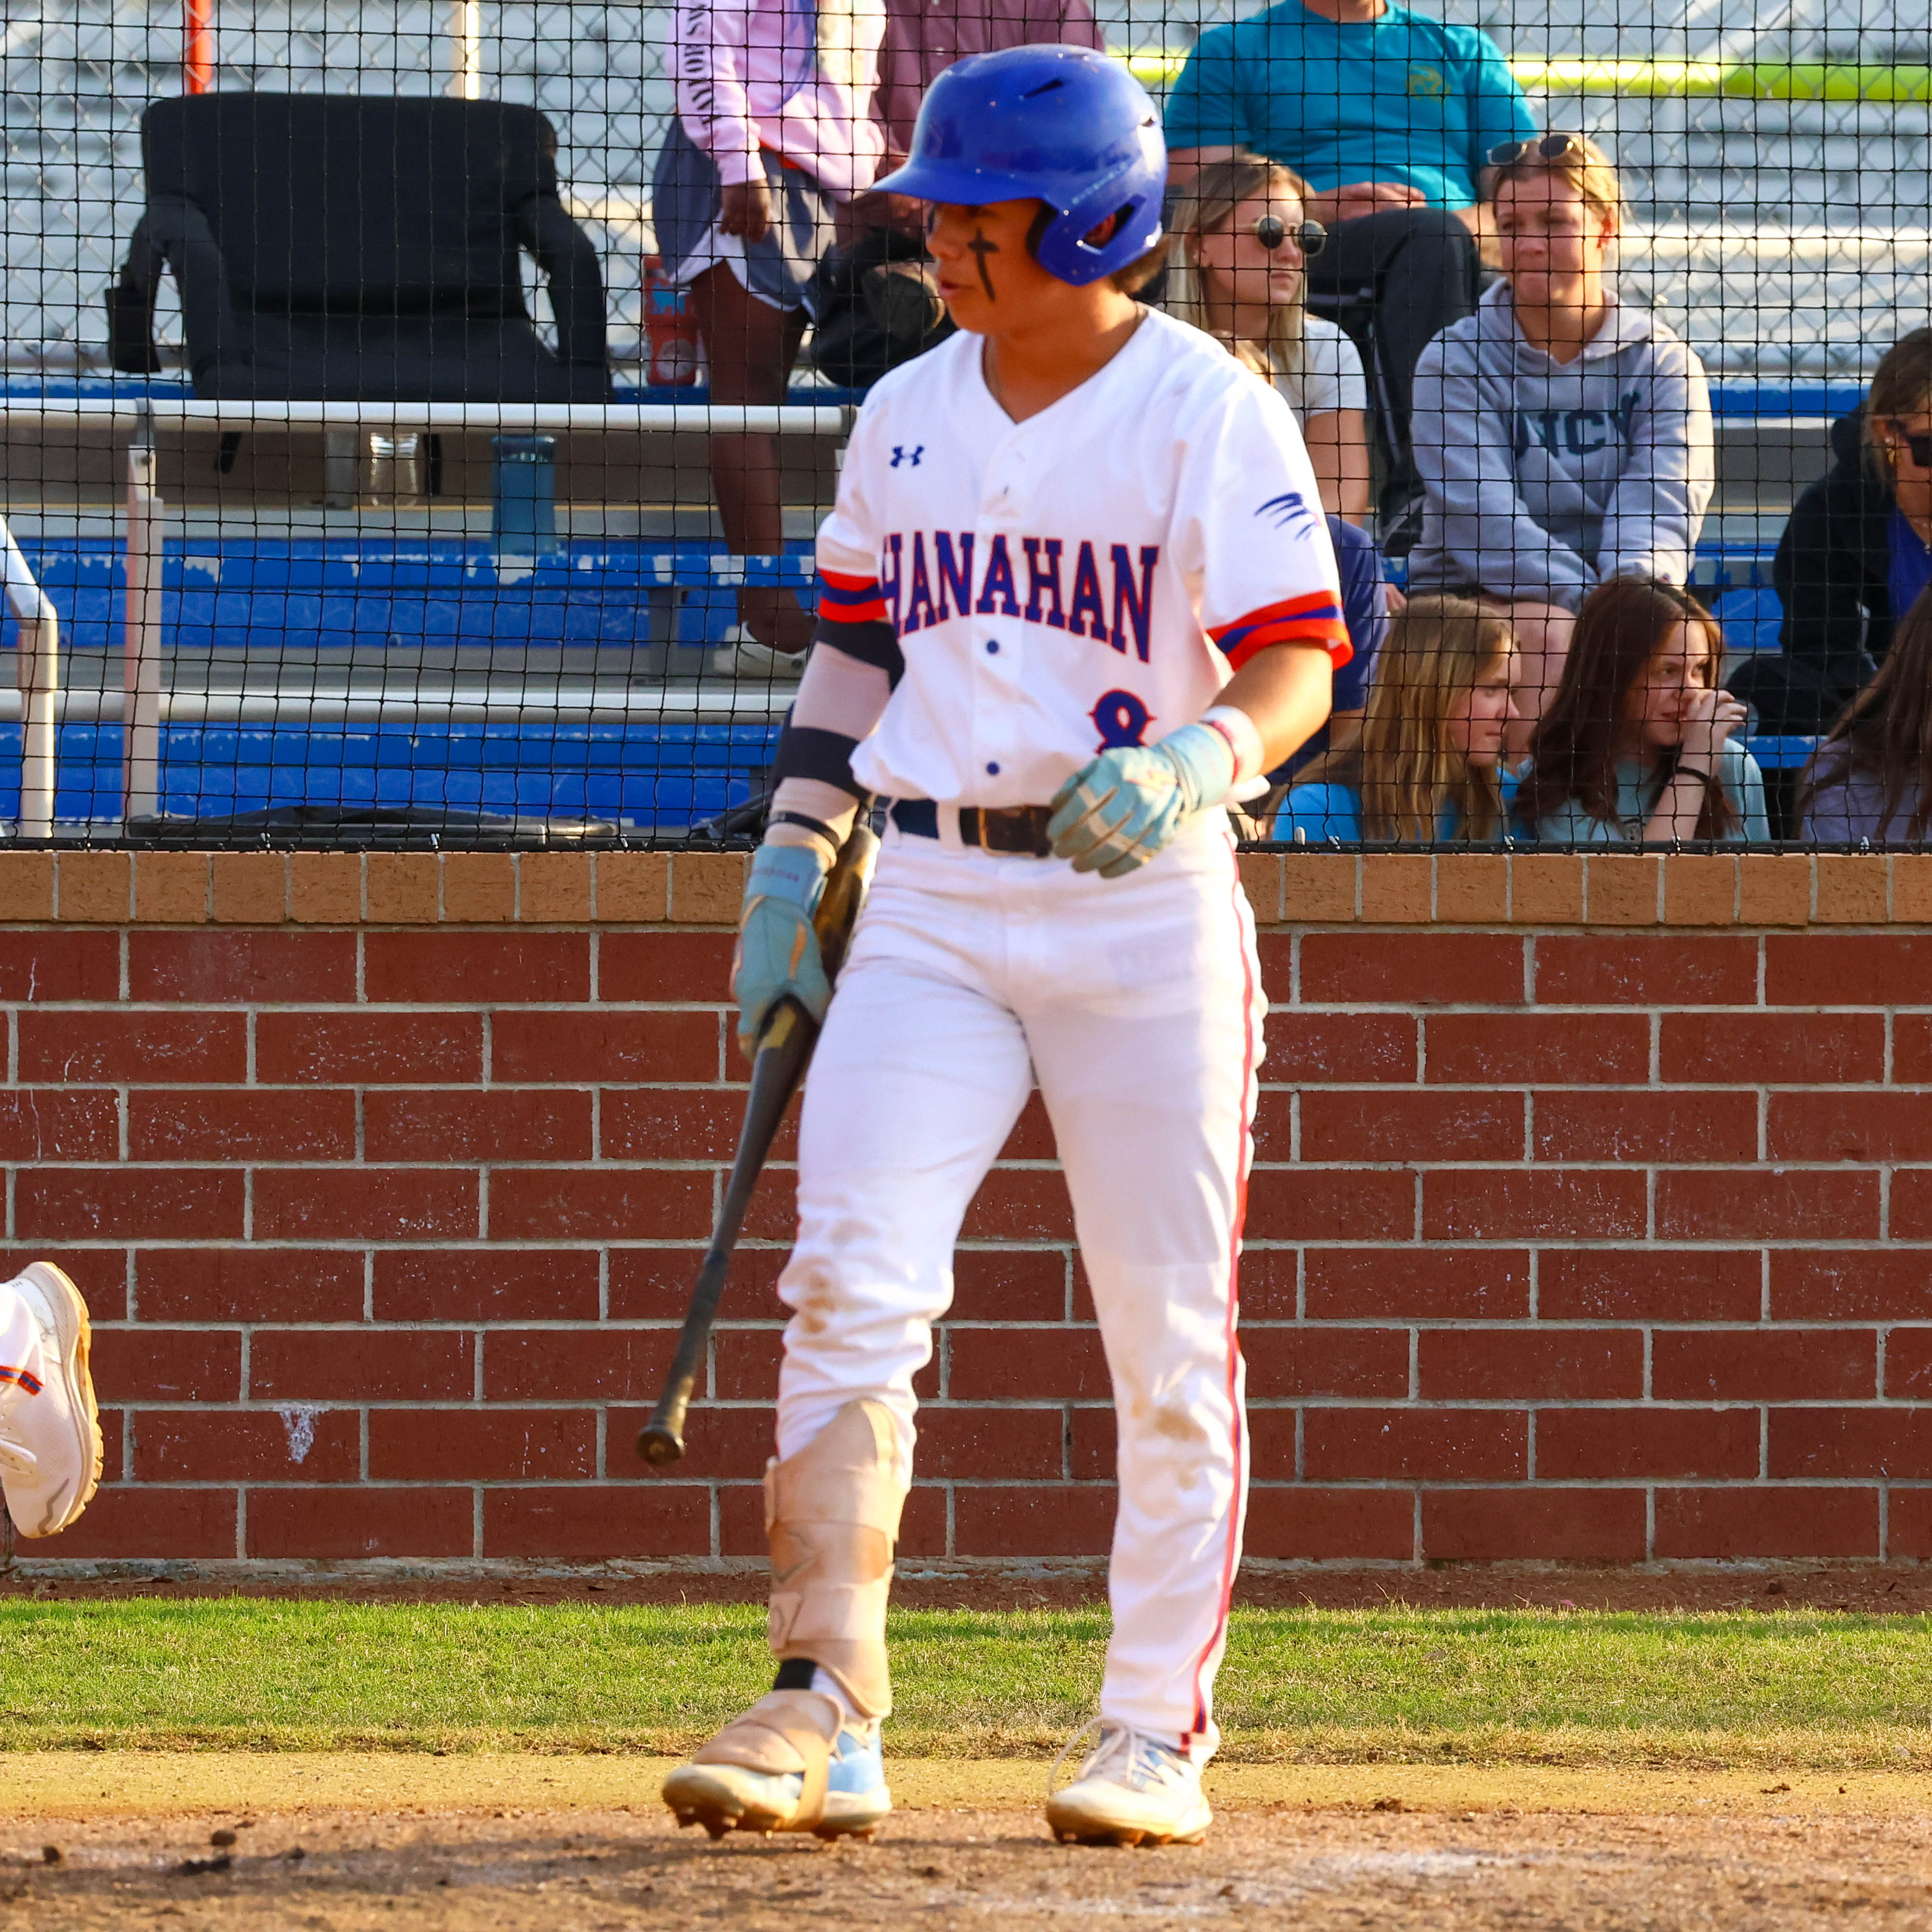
<point>786,75</point>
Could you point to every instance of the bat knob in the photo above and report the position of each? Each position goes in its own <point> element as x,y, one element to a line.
<point>660,1444</point>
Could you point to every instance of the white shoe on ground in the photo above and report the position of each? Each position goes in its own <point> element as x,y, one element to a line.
<point>49,1427</point>
<point>731,1798</point>
<point>1131,1790</point>
<point>740,654</point>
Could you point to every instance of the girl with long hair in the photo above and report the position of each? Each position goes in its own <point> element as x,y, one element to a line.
<point>1426,765</point>
<point>1872,778</point>
<point>1238,245</point>
<point>1637,746</point>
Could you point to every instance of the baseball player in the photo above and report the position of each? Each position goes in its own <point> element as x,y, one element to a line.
<point>49,1428</point>
<point>1077,593</point>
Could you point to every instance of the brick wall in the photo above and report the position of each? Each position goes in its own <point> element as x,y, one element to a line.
<point>1591,1221</point>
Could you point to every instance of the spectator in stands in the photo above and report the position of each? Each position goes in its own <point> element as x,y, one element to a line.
<point>1636,747</point>
<point>1426,764</point>
<point>1389,115</point>
<point>1239,242</point>
<point>773,128</point>
<point>1563,437</point>
<point>1872,778</point>
<point>1857,551</point>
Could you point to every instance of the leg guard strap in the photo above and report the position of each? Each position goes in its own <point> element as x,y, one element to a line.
<point>785,1731</point>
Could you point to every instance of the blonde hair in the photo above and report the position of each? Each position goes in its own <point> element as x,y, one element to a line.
<point>1401,761</point>
<point>1206,208</point>
<point>1587,168</point>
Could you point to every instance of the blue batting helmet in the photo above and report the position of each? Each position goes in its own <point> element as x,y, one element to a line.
<point>1063,125</point>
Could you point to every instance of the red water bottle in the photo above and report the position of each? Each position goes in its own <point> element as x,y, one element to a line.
<point>670,328</point>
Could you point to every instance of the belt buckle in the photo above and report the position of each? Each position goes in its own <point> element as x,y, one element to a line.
<point>1015,829</point>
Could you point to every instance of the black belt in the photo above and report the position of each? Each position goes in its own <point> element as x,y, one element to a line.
<point>1021,828</point>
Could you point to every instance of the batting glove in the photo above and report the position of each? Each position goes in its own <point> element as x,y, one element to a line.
<point>1128,804</point>
<point>777,956</point>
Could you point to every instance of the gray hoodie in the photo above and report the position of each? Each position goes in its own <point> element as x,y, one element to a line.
<point>1543,477</point>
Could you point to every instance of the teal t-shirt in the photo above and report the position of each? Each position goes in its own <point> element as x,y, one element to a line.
<point>1401,98</point>
<point>1312,815</point>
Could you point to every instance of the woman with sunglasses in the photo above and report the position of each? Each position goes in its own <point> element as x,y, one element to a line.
<point>1239,249</point>
<point>1856,554</point>
<point>1563,436</point>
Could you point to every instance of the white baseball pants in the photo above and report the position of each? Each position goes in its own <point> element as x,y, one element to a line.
<point>1136,1005</point>
<point>23,1366</point>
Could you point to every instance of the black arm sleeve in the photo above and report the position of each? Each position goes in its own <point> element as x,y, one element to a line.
<point>805,752</point>
<point>875,644</point>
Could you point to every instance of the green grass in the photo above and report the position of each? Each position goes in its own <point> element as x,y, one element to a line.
<point>1793,1688</point>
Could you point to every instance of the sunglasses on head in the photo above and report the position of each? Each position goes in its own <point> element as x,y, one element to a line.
<point>1920,446</point>
<point>1550,147</point>
<point>1310,238</point>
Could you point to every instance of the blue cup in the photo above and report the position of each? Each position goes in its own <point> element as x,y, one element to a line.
<point>523,521</point>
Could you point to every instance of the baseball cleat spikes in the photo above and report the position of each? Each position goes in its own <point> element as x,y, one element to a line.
<point>1132,1791</point>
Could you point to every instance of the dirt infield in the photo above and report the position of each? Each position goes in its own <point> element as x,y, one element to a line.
<point>340,1842</point>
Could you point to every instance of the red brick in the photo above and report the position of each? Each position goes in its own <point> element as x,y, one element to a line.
<point>597,1048</point>
<point>400,1125</point>
<point>100,1273</point>
<point>1011,1285</point>
<point>466,968</point>
<point>484,1285</point>
<point>746,1364</point>
<point>585,1521</point>
<point>144,1364</point>
<point>45,966</point>
<point>1908,1529</point>
<point>1765,1521</point>
<point>192,1124</point>
<point>665,968</point>
<point>1427,969</point>
<point>654,1284</point>
<point>1417,1284</point>
<point>1529,1364</point>
<point>1595,970</point>
<point>58,1124</point>
<point>1092,1442</point>
<point>1498,1049</point>
<point>93,1203</point>
<point>1020,1204</point>
<point>1762,1205</point>
<point>230,1445</point>
<point>1648,1284</point>
<point>399,1204</point>
<point>1519,1204</point>
<point>169,1525</point>
<point>1290,1522</point>
<point>242,969</point>
<point>1454,1445</point>
<point>537,1203</point>
<point>360,1048</point>
<point>1642,1444</point>
<point>1911,1041</point>
<point>1774,1049</point>
<point>362,1365</point>
<point>731,1443</point>
<point>1839,1442</point>
<point>362,1522</point>
<point>990,1445</point>
<point>682,1123</point>
<point>1300,1204</point>
<point>1911,1209</point>
<point>1908,1364</point>
<point>1267,1285</point>
<point>1305,1048</point>
<point>773,1213</point>
<point>1764,1364</point>
<point>922,1523</point>
<point>248,1284</point>
<point>458,1445</point>
<point>1819,969</point>
<point>577,1364</point>
<point>75,1047</point>
<point>1298,1360</point>
<point>1032,1138</point>
<point>1848,1285</point>
<point>1371,1127</point>
<point>1683,1126</point>
<point>1534,1524</point>
<point>1007,1364</point>
<point>1033,1519</point>
<point>1868,1127</point>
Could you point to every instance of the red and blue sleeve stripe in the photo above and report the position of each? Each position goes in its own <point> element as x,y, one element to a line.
<point>1316,619</point>
<point>854,617</point>
<point>851,600</point>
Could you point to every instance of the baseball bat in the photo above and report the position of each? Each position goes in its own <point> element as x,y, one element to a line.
<point>784,1048</point>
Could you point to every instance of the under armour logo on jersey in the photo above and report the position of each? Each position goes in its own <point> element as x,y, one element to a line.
<point>911,461</point>
<point>1121,719</point>
<point>1289,512</point>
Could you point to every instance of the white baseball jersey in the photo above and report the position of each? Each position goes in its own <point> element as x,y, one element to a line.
<point>1089,578</point>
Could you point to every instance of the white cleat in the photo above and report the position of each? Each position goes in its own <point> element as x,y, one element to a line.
<point>734,1797</point>
<point>1131,1790</point>
<point>49,1428</point>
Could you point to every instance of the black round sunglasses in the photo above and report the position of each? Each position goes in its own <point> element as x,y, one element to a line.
<point>1310,238</point>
